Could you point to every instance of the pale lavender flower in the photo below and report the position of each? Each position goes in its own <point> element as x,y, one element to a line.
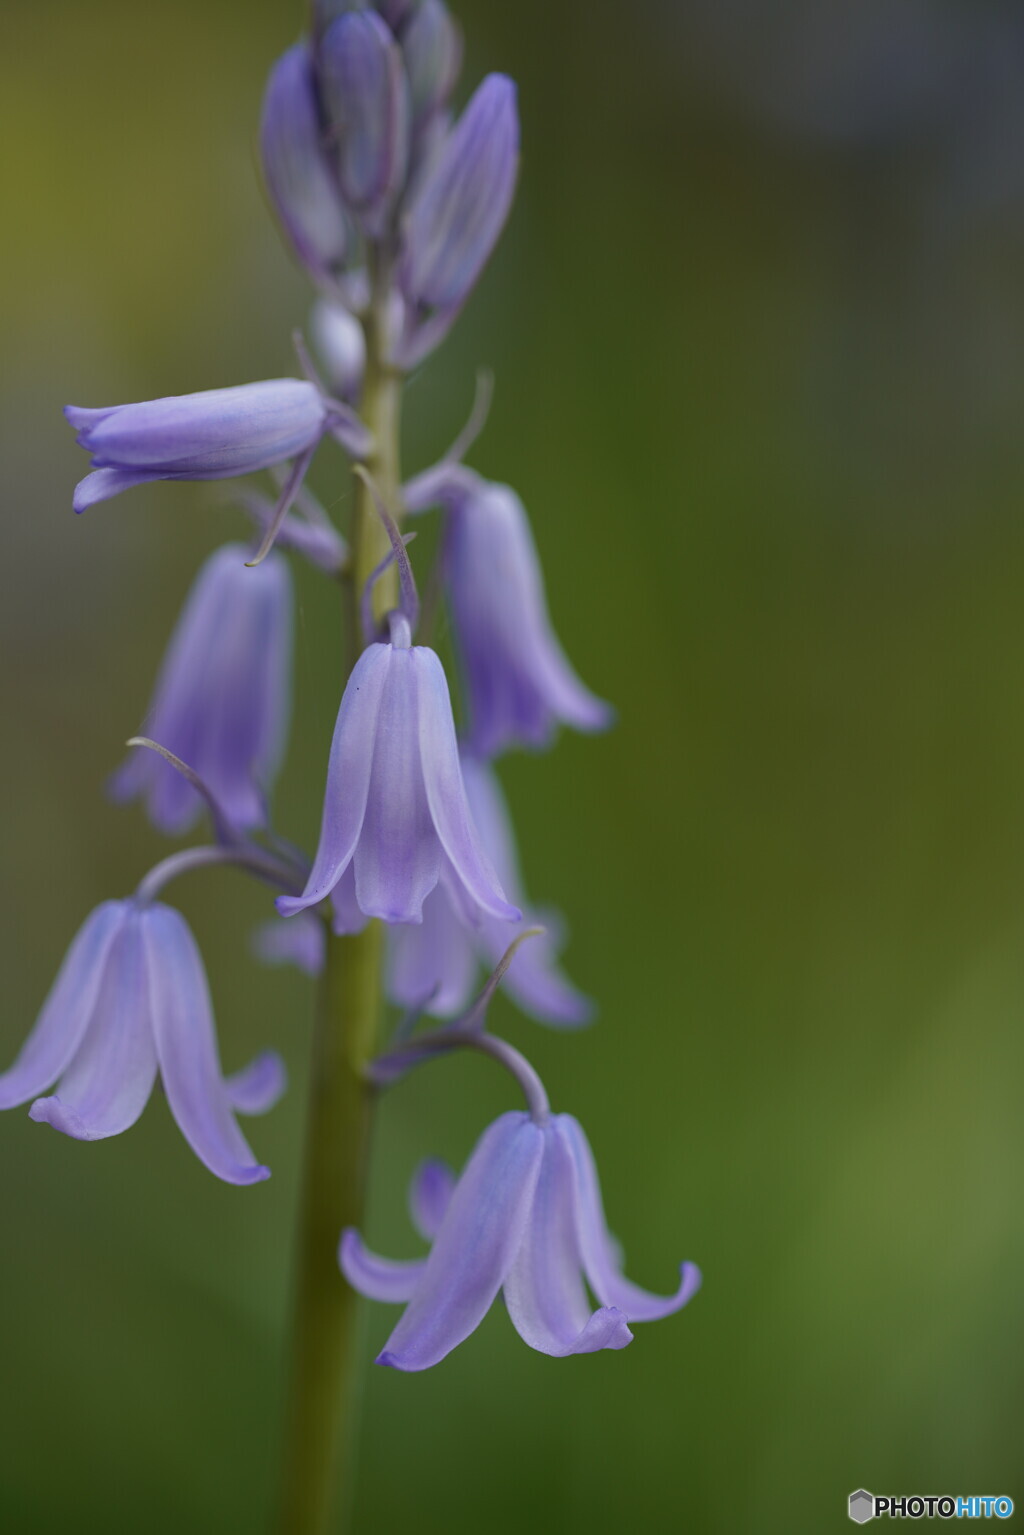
<point>395,817</point>
<point>435,965</point>
<point>457,212</point>
<point>298,176</point>
<point>223,697</point>
<point>131,1001</point>
<point>212,435</point>
<point>526,1217</point>
<point>519,681</point>
<point>365,93</point>
<point>298,942</point>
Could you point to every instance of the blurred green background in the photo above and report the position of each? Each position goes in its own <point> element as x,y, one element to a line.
<point>757,328</point>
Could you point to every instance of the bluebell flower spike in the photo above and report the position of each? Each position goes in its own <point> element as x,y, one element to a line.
<point>129,1002</point>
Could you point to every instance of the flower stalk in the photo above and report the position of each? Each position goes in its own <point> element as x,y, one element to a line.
<point>317,1493</point>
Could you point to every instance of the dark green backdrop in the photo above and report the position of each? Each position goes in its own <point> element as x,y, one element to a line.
<point>760,386</point>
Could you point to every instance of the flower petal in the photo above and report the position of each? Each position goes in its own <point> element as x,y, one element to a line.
<point>299,943</point>
<point>475,1247</point>
<point>348,778</point>
<point>600,1257</point>
<point>446,794</point>
<point>397,859</point>
<point>346,915</point>
<point>187,1049</point>
<point>259,1086</point>
<point>104,483</point>
<point>65,1014</point>
<point>432,964</point>
<point>222,699</point>
<point>108,1083</point>
<point>211,434</point>
<point>544,1290</point>
<point>377,1278</point>
<point>534,979</point>
<point>430,1194</point>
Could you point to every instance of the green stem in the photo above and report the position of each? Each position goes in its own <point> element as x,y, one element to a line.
<point>322,1425</point>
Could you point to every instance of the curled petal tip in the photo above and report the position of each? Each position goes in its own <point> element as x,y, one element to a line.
<point>50,1111</point>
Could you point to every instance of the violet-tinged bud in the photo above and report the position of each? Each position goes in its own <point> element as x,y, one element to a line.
<point>395,817</point>
<point>435,965</point>
<point>398,13</point>
<point>526,1218</point>
<point>460,207</point>
<point>212,435</point>
<point>223,698</point>
<point>298,175</point>
<point>519,682</point>
<point>432,49</point>
<point>366,97</point>
<point>341,344</point>
<point>131,1001</point>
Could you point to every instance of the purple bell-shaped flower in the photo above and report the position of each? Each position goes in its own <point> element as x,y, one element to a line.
<point>526,1217</point>
<point>519,681</point>
<point>396,820</point>
<point>131,1001</point>
<point>223,697</point>
<point>212,435</point>
<point>435,965</point>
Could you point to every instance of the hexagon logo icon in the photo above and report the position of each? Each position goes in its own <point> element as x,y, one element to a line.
<point>862,1506</point>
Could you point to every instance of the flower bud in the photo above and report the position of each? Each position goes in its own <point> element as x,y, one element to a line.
<point>366,96</point>
<point>461,205</point>
<point>211,435</point>
<point>432,49</point>
<point>298,176</point>
<point>342,346</point>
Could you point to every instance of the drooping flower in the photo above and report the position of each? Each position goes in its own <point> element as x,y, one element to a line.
<point>212,435</point>
<point>435,964</point>
<point>458,209</point>
<point>298,176</point>
<point>129,1001</point>
<point>223,697</point>
<point>526,1217</point>
<point>519,681</point>
<point>395,817</point>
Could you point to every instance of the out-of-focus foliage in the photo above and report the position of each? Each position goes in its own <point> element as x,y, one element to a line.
<point>757,329</point>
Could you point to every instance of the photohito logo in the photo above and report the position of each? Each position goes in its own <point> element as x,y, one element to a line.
<point>865,1506</point>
